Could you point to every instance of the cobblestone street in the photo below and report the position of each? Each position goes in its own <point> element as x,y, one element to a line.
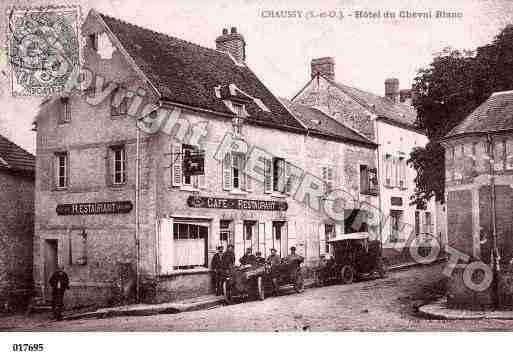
<point>387,304</point>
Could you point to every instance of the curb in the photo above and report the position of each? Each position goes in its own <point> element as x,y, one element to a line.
<point>439,310</point>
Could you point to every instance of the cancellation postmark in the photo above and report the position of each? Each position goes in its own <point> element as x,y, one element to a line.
<point>43,49</point>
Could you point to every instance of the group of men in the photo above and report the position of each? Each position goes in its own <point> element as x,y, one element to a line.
<point>223,262</point>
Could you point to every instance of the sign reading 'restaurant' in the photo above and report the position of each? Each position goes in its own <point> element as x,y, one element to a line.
<point>73,209</point>
<point>233,203</point>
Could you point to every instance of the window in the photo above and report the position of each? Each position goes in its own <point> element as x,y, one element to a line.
<point>368,180</point>
<point>119,102</point>
<point>250,234</point>
<point>237,121</point>
<point>328,176</point>
<point>62,170</point>
<point>329,233</point>
<point>234,177</point>
<point>190,245</point>
<point>268,175</point>
<point>93,41</point>
<point>417,223</point>
<point>180,166</point>
<point>388,170</point>
<point>65,111</point>
<point>279,238</point>
<point>428,223</point>
<point>238,170</point>
<point>118,165</point>
<point>225,233</point>
<point>401,164</point>
<point>278,174</point>
<point>395,226</point>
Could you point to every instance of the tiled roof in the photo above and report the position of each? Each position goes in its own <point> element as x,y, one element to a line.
<point>319,122</point>
<point>187,73</point>
<point>13,157</point>
<point>396,112</point>
<point>495,114</point>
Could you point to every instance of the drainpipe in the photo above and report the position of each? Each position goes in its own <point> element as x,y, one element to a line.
<point>137,201</point>
<point>495,252</point>
<point>380,205</point>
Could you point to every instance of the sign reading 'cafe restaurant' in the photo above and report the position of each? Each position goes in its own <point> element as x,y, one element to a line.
<point>231,203</point>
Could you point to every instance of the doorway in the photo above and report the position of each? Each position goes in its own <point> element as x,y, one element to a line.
<point>50,264</point>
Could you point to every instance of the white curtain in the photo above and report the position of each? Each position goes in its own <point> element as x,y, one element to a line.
<point>190,252</point>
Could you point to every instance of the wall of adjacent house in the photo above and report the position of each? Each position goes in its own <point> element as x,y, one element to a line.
<point>16,235</point>
<point>321,94</point>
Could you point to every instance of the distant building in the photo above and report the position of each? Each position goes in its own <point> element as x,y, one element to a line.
<point>85,184</point>
<point>390,122</point>
<point>16,223</point>
<point>483,137</point>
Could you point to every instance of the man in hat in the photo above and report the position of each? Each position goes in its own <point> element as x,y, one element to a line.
<point>274,258</point>
<point>59,282</point>
<point>293,257</point>
<point>228,258</point>
<point>216,265</point>
<point>248,258</point>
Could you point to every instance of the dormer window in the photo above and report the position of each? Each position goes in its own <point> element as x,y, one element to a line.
<point>240,111</point>
<point>237,126</point>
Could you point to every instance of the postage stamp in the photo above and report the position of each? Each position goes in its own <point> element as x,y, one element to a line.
<point>43,49</point>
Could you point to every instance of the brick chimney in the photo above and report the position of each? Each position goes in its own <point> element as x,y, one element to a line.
<point>324,66</point>
<point>392,89</point>
<point>232,43</point>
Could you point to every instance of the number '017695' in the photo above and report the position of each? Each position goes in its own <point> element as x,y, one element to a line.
<point>28,347</point>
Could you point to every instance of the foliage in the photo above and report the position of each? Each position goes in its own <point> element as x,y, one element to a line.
<point>447,91</point>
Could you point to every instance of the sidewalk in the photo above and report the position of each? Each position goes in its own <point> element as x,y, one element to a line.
<point>439,310</point>
<point>198,303</point>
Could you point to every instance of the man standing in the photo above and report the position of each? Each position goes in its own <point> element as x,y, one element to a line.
<point>216,266</point>
<point>228,259</point>
<point>293,257</point>
<point>274,258</point>
<point>59,282</point>
<point>248,258</point>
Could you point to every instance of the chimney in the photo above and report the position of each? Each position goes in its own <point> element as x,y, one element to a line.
<point>324,66</point>
<point>392,90</point>
<point>233,43</point>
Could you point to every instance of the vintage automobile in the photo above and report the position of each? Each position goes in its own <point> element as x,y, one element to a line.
<point>352,257</point>
<point>257,281</point>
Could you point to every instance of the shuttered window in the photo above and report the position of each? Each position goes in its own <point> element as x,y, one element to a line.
<point>268,175</point>
<point>328,176</point>
<point>179,178</point>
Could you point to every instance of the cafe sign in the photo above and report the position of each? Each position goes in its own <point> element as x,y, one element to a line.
<point>234,203</point>
<point>73,209</point>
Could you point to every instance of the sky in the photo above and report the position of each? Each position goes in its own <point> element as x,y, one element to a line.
<point>279,50</point>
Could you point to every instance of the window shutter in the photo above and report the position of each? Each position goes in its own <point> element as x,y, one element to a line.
<point>322,239</point>
<point>202,181</point>
<point>176,163</point>
<point>268,178</point>
<point>166,245</point>
<point>227,172</point>
<point>288,178</point>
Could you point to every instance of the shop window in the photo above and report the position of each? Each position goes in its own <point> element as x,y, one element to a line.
<point>62,169</point>
<point>250,235</point>
<point>118,165</point>
<point>65,111</point>
<point>396,225</point>
<point>279,238</point>
<point>190,245</point>
<point>225,233</point>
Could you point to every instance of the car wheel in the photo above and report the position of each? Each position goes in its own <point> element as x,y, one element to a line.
<point>299,284</point>
<point>260,288</point>
<point>347,274</point>
<point>382,269</point>
<point>227,293</point>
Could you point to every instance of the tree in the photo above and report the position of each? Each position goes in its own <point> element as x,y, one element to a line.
<point>447,91</point>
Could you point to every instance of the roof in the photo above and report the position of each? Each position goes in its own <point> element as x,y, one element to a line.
<point>186,73</point>
<point>493,115</point>
<point>383,107</point>
<point>320,123</point>
<point>15,158</point>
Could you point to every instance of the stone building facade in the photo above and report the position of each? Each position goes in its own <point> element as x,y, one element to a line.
<point>266,171</point>
<point>390,122</point>
<point>16,224</point>
<point>483,139</point>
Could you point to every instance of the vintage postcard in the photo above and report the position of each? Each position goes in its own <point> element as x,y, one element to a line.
<point>255,166</point>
